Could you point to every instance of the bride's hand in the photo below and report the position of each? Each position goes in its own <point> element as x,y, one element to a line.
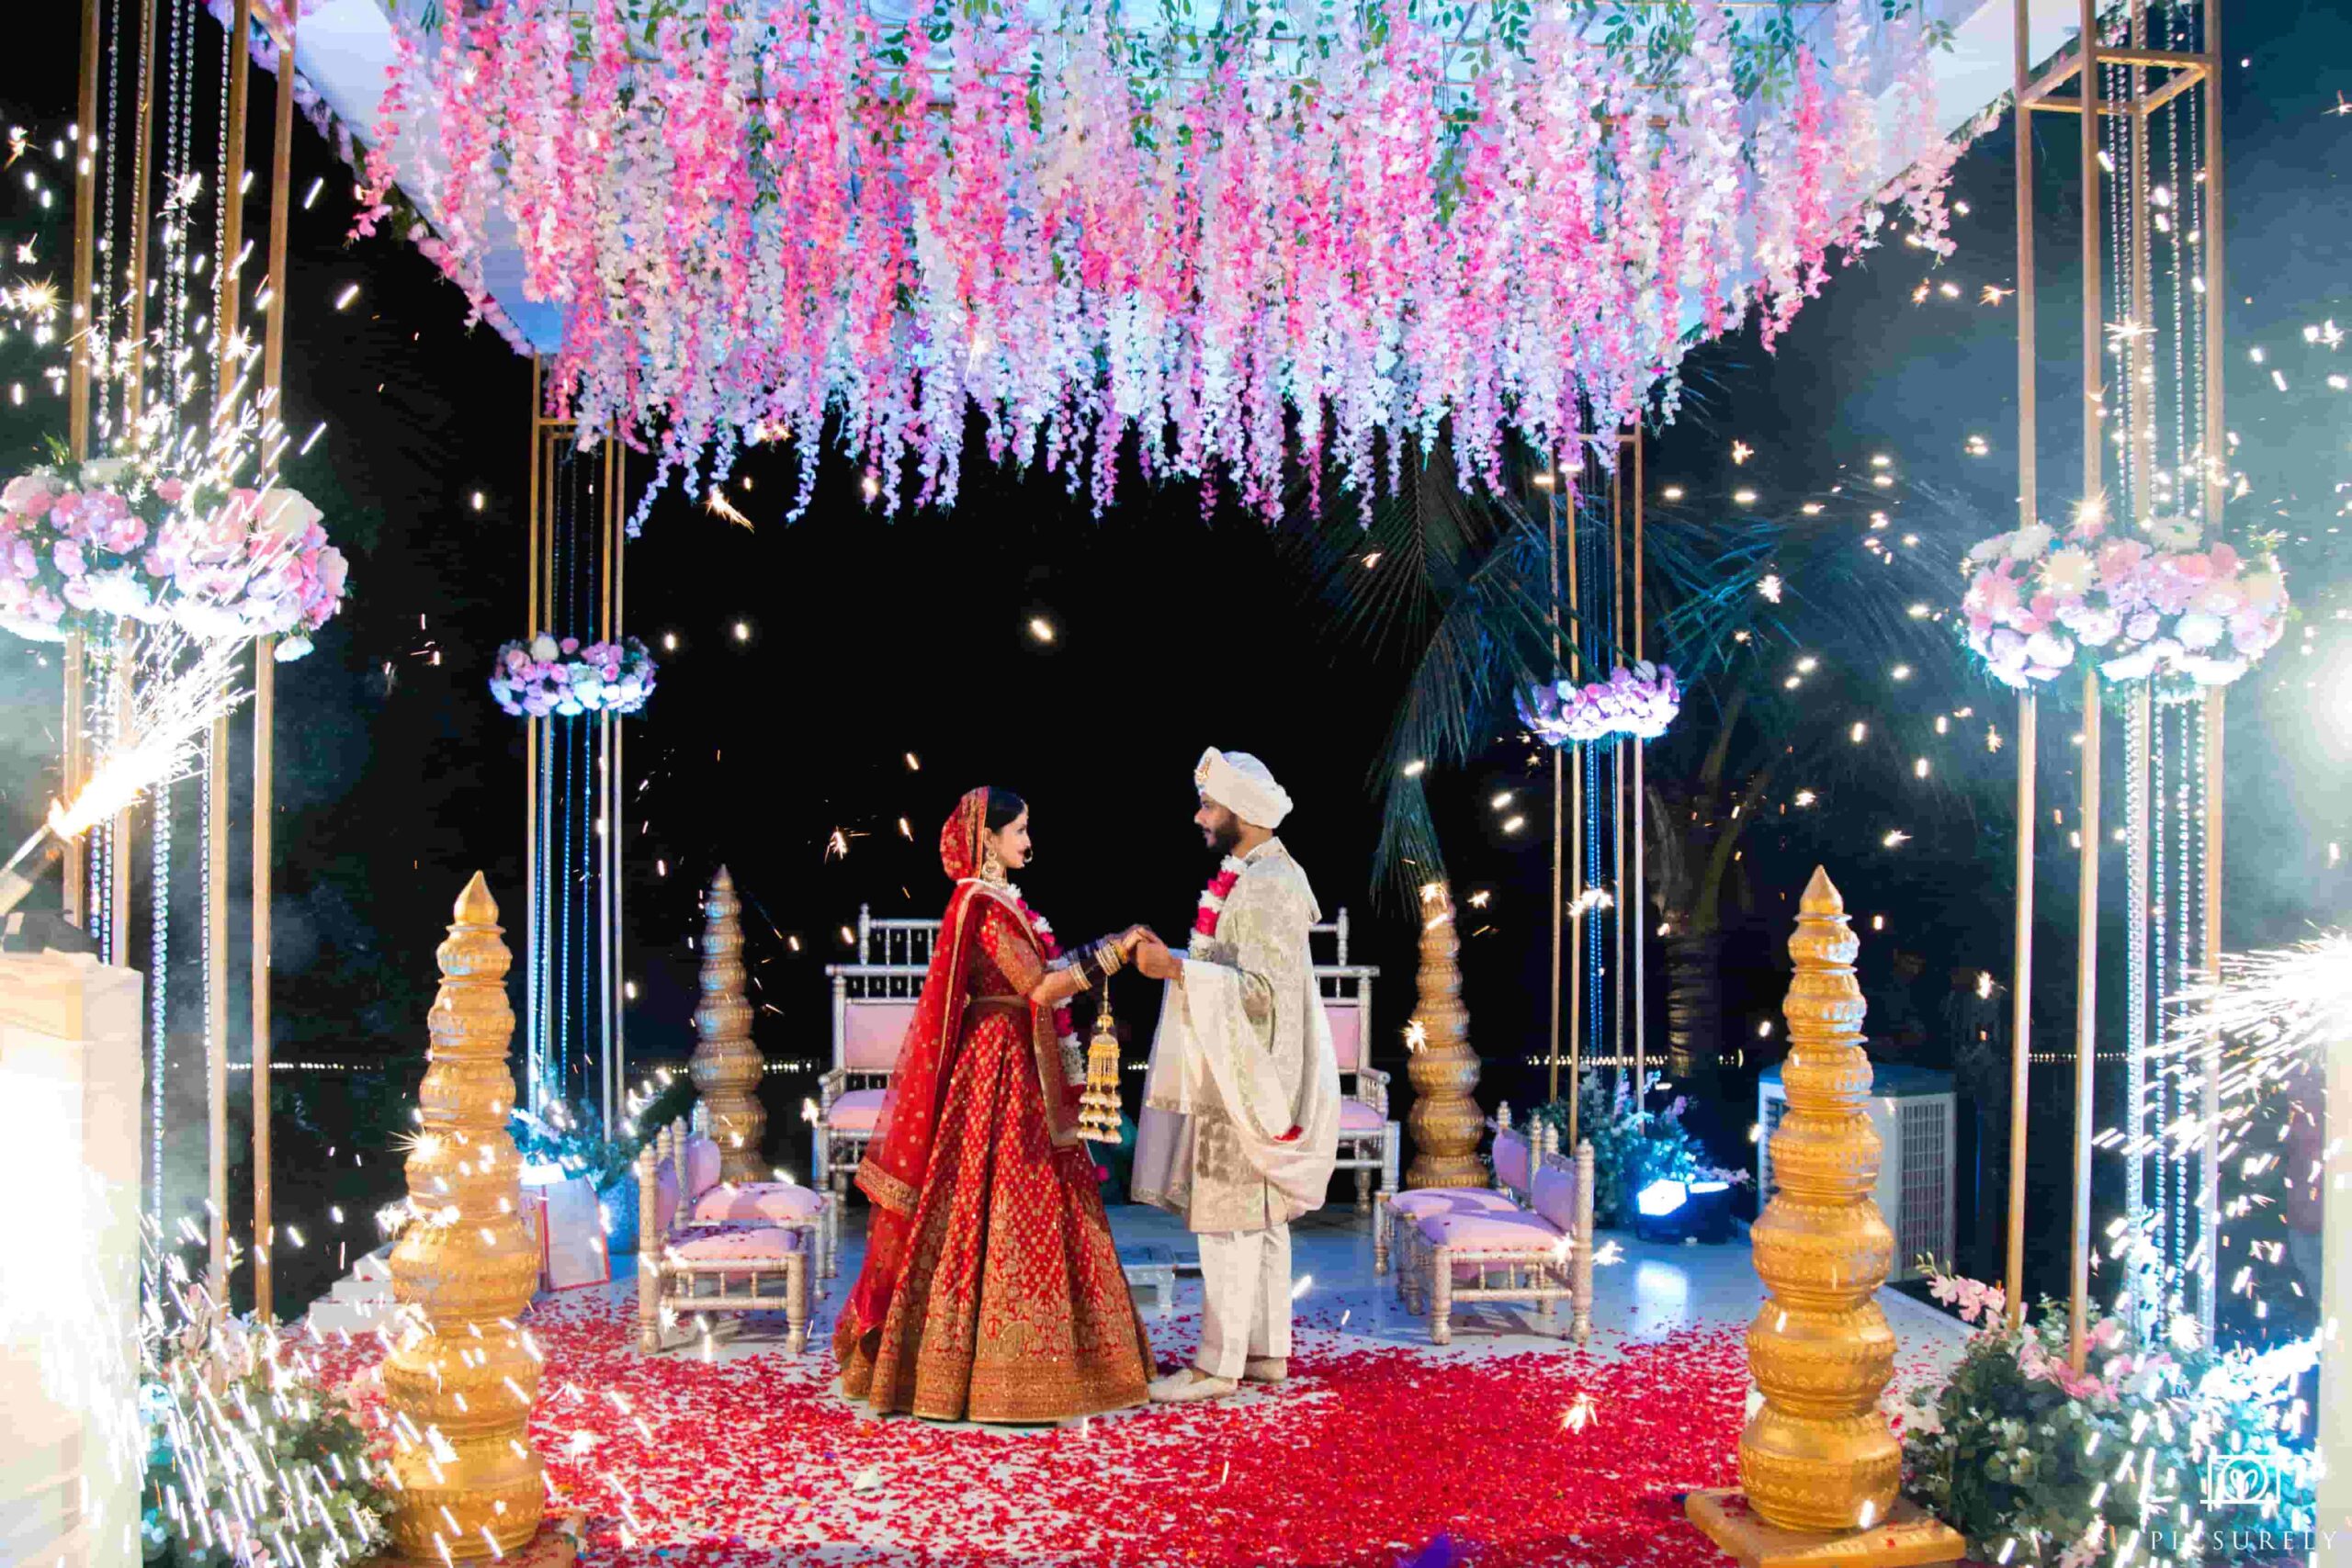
<point>1132,937</point>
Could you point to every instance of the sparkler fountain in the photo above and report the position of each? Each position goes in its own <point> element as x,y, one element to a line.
<point>1818,1465</point>
<point>726,1063</point>
<point>1444,1068</point>
<point>462,1382</point>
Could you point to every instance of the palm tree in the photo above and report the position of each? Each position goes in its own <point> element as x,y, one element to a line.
<point>1790,638</point>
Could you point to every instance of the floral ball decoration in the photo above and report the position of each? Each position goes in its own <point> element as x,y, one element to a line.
<point>2168,607</point>
<point>85,543</point>
<point>564,676</point>
<point>1640,701</point>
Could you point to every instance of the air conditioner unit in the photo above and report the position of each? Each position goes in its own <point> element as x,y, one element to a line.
<point>1912,1108</point>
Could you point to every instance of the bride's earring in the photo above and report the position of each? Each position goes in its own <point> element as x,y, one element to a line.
<point>991,868</point>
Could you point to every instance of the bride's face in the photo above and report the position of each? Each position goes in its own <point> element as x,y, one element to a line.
<point>1012,842</point>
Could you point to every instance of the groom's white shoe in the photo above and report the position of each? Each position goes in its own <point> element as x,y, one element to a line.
<point>1189,1384</point>
<point>1267,1369</point>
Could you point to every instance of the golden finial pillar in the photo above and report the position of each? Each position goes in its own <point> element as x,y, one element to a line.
<point>1444,1120</point>
<point>1820,1467</point>
<point>727,1066</point>
<point>463,1379</point>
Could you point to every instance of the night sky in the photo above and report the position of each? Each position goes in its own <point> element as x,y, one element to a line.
<point>869,638</point>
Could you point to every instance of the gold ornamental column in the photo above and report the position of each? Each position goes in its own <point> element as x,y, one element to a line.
<point>1444,1120</point>
<point>1818,1465</point>
<point>463,1380</point>
<point>727,1066</point>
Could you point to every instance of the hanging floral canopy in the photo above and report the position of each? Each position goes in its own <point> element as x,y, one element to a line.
<point>1241,236</point>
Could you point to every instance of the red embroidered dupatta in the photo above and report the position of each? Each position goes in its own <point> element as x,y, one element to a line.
<point>898,1157</point>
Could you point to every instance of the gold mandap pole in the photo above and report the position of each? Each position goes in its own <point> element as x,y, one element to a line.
<point>1559,778</point>
<point>226,373</point>
<point>80,324</point>
<point>273,409</point>
<point>2022,971</point>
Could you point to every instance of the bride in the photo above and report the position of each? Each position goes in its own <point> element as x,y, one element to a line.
<point>991,1289</point>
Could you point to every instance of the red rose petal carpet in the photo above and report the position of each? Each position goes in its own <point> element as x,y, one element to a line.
<point>1534,1458</point>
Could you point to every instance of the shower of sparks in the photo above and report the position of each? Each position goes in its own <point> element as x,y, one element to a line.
<point>719,507</point>
<point>171,704</point>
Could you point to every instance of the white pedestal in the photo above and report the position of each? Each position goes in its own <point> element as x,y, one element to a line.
<point>72,1450</point>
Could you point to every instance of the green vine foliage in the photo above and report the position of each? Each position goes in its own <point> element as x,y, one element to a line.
<point>2116,1470</point>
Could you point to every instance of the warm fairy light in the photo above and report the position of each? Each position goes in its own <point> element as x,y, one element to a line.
<point>1416,768</point>
<point>1041,628</point>
<point>1743,496</point>
<point>1740,452</point>
<point>1514,824</point>
<point>742,631</point>
<point>1806,797</point>
<point>1900,672</point>
<point>1813,508</point>
<point>481,501</point>
<point>669,642</point>
<point>1896,840</point>
<point>1672,492</point>
<point>1918,767</point>
<point>1859,733</point>
<point>1545,481</point>
<point>1502,798</point>
<point>343,299</point>
<point>1808,664</point>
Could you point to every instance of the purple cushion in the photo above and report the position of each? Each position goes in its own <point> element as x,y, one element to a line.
<point>1556,1195</point>
<point>1512,1233</point>
<point>702,1165</point>
<point>1510,1160</point>
<point>767,1202</point>
<point>1355,1116</point>
<point>855,1112</point>
<point>739,1246</point>
<point>1451,1201</point>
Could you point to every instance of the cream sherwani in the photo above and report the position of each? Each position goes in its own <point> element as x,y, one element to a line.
<point>1241,1106</point>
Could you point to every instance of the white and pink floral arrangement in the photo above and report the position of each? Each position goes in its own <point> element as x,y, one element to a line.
<point>563,676</point>
<point>1640,701</point>
<point>766,222</point>
<point>2168,607</point>
<point>84,545</point>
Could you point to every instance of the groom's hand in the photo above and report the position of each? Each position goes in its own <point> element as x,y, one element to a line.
<point>1134,937</point>
<point>1156,962</point>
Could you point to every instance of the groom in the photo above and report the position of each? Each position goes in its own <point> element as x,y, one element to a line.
<point>1241,1102</point>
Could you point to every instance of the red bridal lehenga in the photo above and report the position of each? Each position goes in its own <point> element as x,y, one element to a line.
<point>991,1289</point>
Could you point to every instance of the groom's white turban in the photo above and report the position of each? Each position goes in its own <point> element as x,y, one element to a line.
<point>1244,785</point>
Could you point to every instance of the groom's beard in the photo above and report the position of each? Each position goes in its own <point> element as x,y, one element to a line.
<point>1226,837</point>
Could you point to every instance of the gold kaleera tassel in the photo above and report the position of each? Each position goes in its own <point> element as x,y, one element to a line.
<point>726,1064</point>
<point>1098,1106</point>
<point>1820,1467</point>
<point>464,1376</point>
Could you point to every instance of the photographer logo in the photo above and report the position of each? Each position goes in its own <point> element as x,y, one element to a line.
<point>2240,1481</point>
